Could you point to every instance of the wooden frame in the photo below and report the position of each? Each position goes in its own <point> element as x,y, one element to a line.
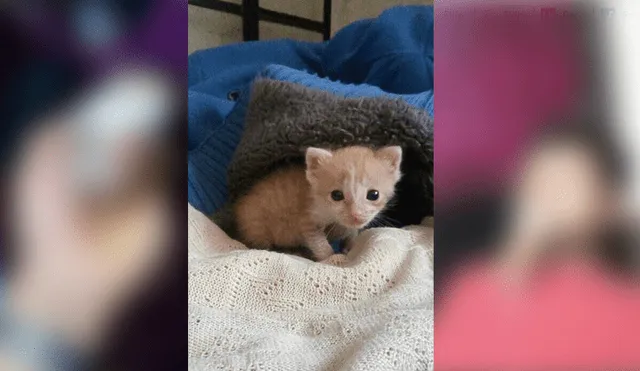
<point>252,14</point>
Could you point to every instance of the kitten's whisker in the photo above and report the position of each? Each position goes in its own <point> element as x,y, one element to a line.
<point>388,218</point>
<point>378,223</point>
<point>331,228</point>
<point>374,223</point>
<point>387,221</point>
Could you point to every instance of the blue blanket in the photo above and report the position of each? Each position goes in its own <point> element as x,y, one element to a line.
<point>389,55</point>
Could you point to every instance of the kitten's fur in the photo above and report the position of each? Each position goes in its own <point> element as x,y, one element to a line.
<point>293,206</point>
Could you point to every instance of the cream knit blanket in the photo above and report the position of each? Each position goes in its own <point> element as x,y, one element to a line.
<point>260,310</point>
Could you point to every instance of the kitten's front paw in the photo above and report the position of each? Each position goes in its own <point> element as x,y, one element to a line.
<point>337,260</point>
<point>323,253</point>
<point>319,246</point>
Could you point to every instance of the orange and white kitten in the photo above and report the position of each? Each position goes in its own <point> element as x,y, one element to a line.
<point>337,194</point>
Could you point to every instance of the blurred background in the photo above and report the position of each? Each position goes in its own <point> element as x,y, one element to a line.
<point>93,143</point>
<point>536,256</point>
<point>518,76</point>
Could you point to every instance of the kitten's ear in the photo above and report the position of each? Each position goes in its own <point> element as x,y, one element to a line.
<point>392,155</point>
<point>316,156</point>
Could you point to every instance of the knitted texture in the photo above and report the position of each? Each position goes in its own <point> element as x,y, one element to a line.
<point>423,100</point>
<point>262,310</point>
<point>284,118</point>
<point>209,160</point>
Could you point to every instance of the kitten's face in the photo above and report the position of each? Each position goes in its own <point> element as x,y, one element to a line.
<point>352,185</point>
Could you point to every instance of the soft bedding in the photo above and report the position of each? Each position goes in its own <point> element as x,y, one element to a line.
<point>209,160</point>
<point>390,54</point>
<point>260,310</point>
<point>283,119</point>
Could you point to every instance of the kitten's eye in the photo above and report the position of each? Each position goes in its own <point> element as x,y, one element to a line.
<point>373,195</point>
<point>337,195</point>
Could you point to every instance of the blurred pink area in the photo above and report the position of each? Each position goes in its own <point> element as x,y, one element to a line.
<point>498,81</point>
<point>569,315</point>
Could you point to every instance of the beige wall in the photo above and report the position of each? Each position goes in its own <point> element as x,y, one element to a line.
<point>208,28</point>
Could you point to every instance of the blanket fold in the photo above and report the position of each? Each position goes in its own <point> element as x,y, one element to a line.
<point>283,119</point>
<point>255,309</point>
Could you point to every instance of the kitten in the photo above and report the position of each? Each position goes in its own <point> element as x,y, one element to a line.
<point>337,194</point>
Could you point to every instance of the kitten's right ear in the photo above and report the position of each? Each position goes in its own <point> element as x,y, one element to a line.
<point>316,156</point>
<point>392,155</point>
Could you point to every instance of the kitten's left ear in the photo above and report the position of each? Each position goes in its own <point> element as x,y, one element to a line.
<point>391,154</point>
<point>314,157</point>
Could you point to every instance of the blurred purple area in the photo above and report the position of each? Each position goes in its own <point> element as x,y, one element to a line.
<point>514,75</point>
<point>57,48</point>
<point>151,34</point>
<point>53,51</point>
<point>511,73</point>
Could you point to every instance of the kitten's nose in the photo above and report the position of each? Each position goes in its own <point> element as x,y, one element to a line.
<point>357,219</point>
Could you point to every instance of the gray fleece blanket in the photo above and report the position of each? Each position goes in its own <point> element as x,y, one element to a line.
<point>283,119</point>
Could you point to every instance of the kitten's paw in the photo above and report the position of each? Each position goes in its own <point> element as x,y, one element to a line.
<point>319,246</point>
<point>323,254</point>
<point>337,259</point>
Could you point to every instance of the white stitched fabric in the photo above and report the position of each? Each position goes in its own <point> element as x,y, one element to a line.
<point>259,310</point>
